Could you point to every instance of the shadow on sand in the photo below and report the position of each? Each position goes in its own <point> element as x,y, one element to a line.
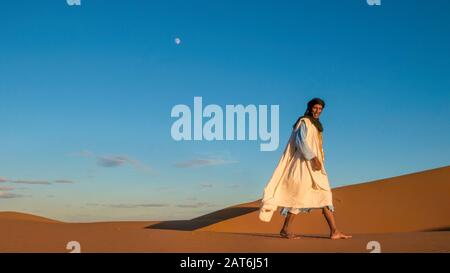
<point>277,236</point>
<point>203,221</point>
<point>446,228</point>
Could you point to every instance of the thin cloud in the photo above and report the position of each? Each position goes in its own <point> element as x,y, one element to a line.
<point>62,181</point>
<point>31,182</point>
<point>116,161</point>
<point>202,162</point>
<point>128,206</point>
<point>206,185</point>
<point>37,182</point>
<point>8,195</point>
<point>132,206</point>
<point>196,205</point>
<point>6,188</point>
<point>112,161</point>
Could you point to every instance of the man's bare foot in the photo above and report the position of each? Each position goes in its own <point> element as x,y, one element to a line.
<point>286,235</point>
<point>339,235</point>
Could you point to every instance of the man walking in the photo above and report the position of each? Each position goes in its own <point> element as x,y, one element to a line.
<point>300,182</point>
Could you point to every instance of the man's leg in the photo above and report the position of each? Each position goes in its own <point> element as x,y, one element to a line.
<point>285,230</point>
<point>334,232</point>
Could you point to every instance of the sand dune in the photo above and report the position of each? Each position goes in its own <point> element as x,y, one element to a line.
<point>409,213</point>
<point>18,216</point>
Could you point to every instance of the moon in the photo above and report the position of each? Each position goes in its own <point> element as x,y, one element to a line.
<point>177,41</point>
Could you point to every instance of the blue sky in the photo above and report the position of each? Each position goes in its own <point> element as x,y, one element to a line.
<point>86,94</point>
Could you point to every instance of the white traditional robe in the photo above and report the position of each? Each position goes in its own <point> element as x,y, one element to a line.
<point>294,184</point>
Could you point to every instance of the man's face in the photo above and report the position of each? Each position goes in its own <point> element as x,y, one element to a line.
<point>316,110</point>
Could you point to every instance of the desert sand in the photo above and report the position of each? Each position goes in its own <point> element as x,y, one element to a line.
<point>409,213</point>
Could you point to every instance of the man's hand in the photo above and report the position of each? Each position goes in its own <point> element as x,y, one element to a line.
<point>316,165</point>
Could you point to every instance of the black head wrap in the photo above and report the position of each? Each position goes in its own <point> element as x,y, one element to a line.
<point>308,114</point>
